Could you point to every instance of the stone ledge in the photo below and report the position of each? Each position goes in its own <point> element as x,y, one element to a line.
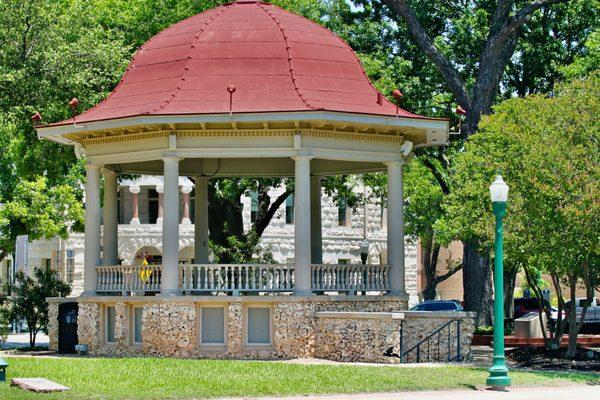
<point>225,299</point>
<point>439,314</point>
<point>359,315</point>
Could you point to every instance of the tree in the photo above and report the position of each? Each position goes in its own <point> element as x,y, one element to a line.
<point>423,207</point>
<point>27,298</point>
<point>229,242</point>
<point>39,211</point>
<point>588,62</point>
<point>547,150</point>
<point>50,52</point>
<point>485,35</point>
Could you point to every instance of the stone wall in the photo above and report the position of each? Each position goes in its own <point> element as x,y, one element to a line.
<point>170,327</point>
<point>361,337</point>
<point>379,337</point>
<point>53,326</point>
<point>340,328</point>
<point>88,326</point>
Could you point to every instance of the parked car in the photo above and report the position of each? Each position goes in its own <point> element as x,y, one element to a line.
<point>523,306</point>
<point>438,305</point>
<point>591,321</point>
<point>592,314</point>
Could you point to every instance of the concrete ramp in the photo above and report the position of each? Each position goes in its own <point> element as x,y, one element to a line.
<point>38,385</point>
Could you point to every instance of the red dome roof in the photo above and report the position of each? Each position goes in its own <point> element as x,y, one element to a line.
<point>277,61</point>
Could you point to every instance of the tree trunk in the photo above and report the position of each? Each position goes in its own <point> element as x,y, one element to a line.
<point>477,283</point>
<point>225,220</point>
<point>573,328</point>
<point>429,268</point>
<point>510,280</point>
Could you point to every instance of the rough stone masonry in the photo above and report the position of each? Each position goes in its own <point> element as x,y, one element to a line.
<point>340,328</point>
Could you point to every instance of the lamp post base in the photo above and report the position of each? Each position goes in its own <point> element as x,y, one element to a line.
<point>498,377</point>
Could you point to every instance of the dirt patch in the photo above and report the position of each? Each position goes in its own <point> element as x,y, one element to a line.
<point>542,358</point>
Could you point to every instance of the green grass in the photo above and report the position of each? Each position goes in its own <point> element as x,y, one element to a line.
<point>151,378</point>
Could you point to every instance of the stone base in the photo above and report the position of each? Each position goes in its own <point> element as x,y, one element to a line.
<point>300,327</point>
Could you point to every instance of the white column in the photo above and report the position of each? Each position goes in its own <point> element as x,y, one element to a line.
<point>110,254</point>
<point>92,228</point>
<point>186,190</point>
<point>159,218</point>
<point>395,228</point>
<point>170,231</point>
<point>201,221</point>
<point>316,235</point>
<point>135,218</point>
<point>302,243</point>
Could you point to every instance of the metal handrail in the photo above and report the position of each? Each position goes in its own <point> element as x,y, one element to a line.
<point>437,334</point>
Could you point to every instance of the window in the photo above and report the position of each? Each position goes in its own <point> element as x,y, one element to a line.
<point>212,326</point>
<point>47,263</point>
<point>253,206</point>
<point>342,212</point>
<point>289,209</point>
<point>137,324</point>
<point>152,206</point>
<point>110,318</point>
<point>343,261</point>
<point>258,326</point>
<point>70,266</point>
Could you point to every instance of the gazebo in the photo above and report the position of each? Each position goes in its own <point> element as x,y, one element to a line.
<point>244,89</point>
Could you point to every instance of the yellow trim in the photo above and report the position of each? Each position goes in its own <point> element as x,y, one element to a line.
<point>319,133</point>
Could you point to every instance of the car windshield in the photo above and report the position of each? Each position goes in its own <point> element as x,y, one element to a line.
<point>435,306</point>
<point>442,306</point>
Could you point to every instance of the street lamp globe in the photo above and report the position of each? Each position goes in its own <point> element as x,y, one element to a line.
<point>499,190</point>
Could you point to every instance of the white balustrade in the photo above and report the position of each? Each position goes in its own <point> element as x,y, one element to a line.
<point>350,278</point>
<point>236,278</point>
<point>128,278</point>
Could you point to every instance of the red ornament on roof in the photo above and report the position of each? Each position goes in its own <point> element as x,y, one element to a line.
<point>276,61</point>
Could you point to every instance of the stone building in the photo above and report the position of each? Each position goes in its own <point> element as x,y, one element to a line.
<point>140,234</point>
<point>247,89</point>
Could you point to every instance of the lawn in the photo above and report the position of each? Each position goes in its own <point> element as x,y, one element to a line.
<point>151,378</point>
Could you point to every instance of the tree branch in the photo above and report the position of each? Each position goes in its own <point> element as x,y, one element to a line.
<point>520,18</point>
<point>425,43</point>
<point>451,271</point>
<point>263,221</point>
<point>436,174</point>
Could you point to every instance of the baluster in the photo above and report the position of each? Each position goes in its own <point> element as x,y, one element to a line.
<point>250,270</point>
<point>320,277</point>
<point>121,276</point>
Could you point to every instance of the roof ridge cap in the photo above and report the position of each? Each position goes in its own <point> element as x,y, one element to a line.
<point>189,58</point>
<point>287,47</point>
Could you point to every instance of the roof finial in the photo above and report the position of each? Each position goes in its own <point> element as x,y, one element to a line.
<point>231,89</point>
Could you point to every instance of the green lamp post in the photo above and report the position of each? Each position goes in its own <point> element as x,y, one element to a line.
<point>498,372</point>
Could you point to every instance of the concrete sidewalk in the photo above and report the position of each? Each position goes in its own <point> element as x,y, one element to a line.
<point>545,393</point>
<point>22,340</point>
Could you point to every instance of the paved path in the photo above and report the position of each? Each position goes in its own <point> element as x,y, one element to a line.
<point>22,340</point>
<point>546,393</point>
